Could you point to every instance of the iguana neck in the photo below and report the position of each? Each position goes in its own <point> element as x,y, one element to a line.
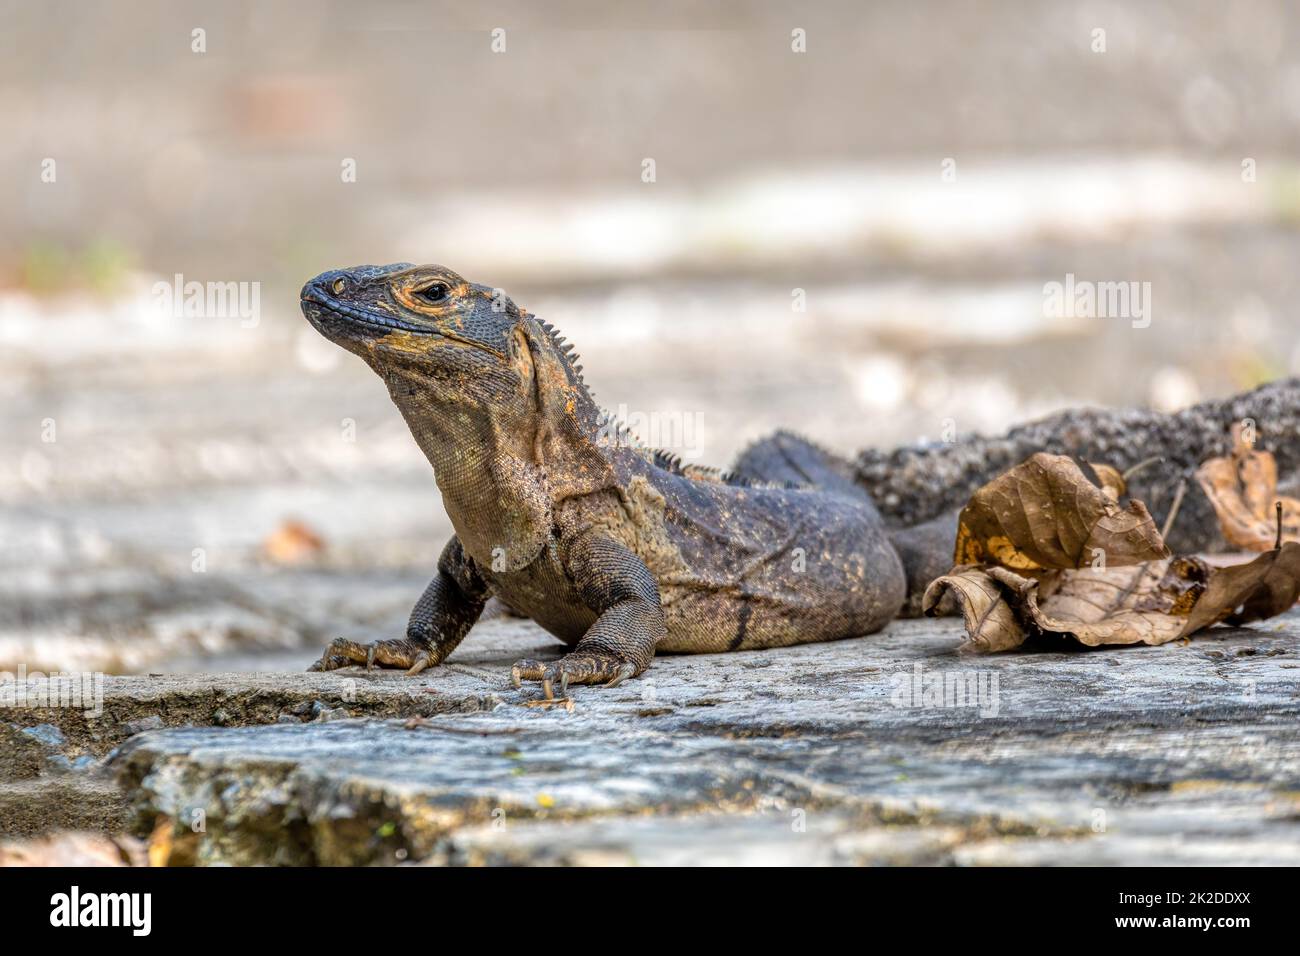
<point>503,469</point>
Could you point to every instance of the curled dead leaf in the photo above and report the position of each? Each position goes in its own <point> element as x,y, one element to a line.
<point>1242,487</point>
<point>990,623</point>
<point>1044,514</point>
<point>1151,603</point>
<point>1111,480</point>
<point>1258,589</point>
<point>1142,604</point>
<point>73,848</point>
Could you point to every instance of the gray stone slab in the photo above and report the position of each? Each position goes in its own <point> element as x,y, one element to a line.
<point>1138,755</point>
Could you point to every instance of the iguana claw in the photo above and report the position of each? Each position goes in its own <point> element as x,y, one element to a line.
<point>624,672</point>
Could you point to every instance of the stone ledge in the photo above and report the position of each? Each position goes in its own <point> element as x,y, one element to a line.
<point>1179,753</point>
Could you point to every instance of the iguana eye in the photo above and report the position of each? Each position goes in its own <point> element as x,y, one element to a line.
<point>433,294</point>
<point>339,285</point>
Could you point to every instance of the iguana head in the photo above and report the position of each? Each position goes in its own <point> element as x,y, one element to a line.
<point>433,334</point>
<point>483,384</point>
<point>401,315</point>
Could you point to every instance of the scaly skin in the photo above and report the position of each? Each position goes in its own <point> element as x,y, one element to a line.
<point>617,550</point>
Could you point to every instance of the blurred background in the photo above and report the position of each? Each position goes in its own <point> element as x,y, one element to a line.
<point>827,216</point>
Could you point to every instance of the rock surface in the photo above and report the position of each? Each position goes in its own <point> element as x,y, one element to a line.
<point>52,773</point>
<point>833,753</point>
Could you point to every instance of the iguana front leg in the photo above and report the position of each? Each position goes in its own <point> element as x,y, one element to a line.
<point>439,621</point>
<point>617,585</point>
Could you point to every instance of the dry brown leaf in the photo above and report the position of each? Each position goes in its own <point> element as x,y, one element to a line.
<point>1258,589</point>
<point>1044,515</point>
<point>1143,604</point>
<point>161,844</point>
<point>1152,603</point>
<point>990,622</point>
<point>1243,489</point>
<point>1112,480</point>
<point>292,543</point>
<point>73,848</point>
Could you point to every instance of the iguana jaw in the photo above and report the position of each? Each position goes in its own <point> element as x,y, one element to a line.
<point>317,307</point>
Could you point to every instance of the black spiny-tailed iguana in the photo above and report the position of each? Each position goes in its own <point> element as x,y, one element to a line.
<point>617,550</point>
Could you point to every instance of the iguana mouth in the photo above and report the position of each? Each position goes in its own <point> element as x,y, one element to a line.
<point>389,323</point>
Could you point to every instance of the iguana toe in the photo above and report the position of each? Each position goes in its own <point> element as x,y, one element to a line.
<point>526,670</point>
<point>402,653</point>
<point>580,667</point>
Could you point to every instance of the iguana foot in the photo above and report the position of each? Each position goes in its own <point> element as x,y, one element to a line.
<point>393,653</point>
<point>580,667</point>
